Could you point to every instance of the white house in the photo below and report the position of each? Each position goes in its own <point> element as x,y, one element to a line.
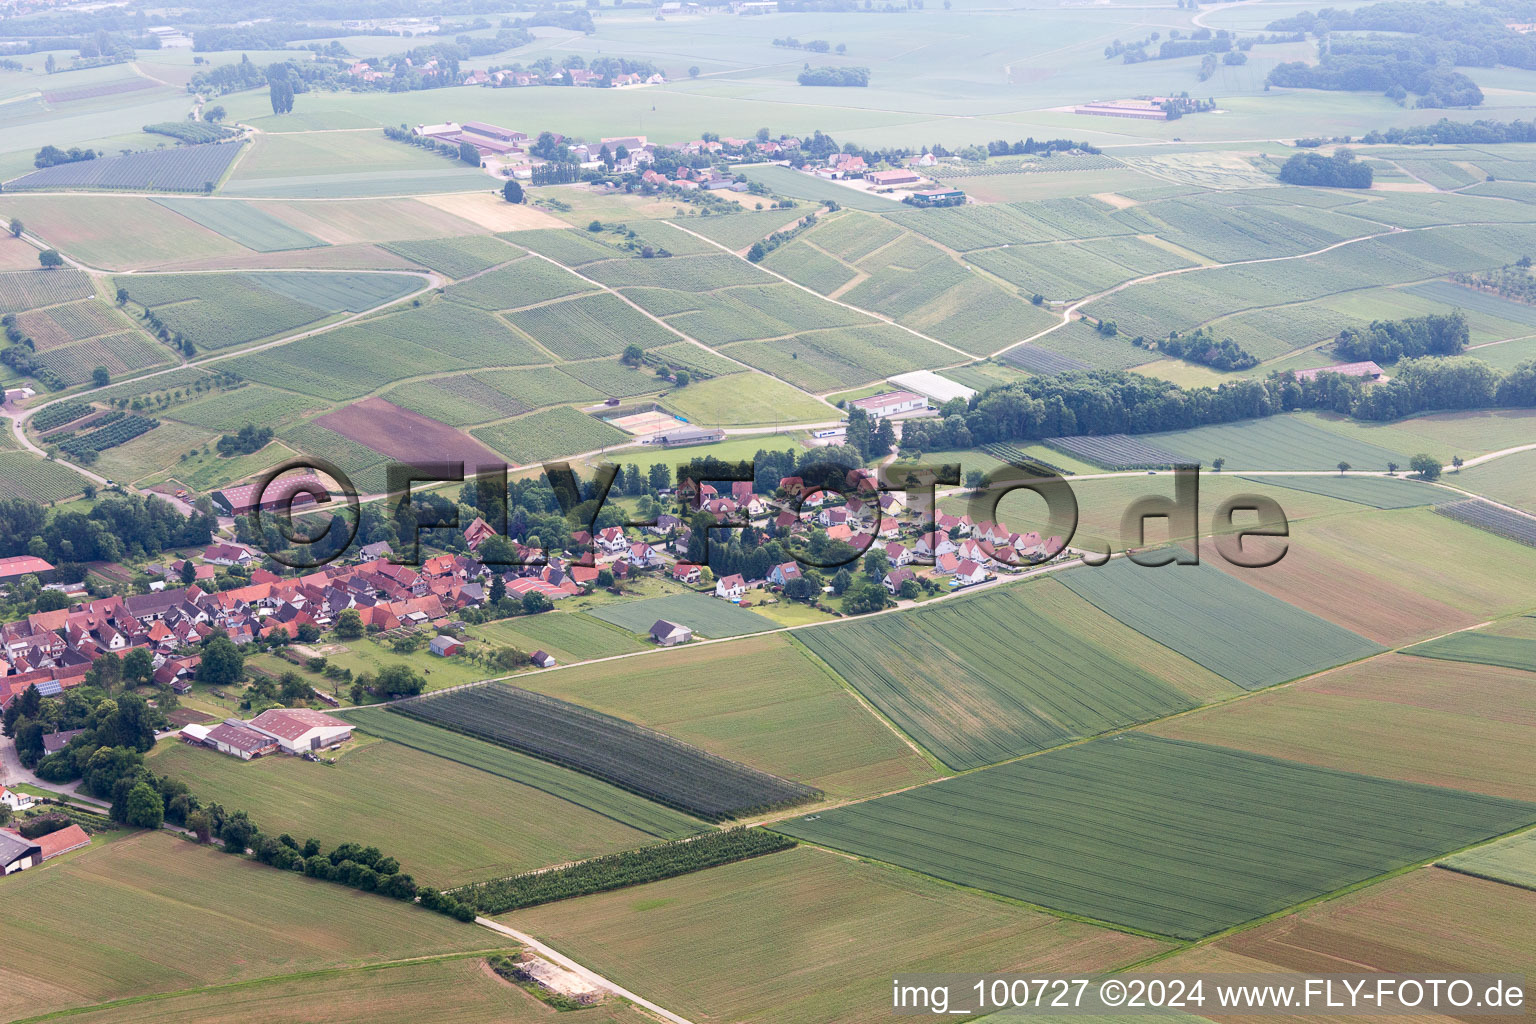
<point>298,730</point>
<point>612,540</point>
<point>932,545</point>
<point>890,403</point>
<point>14,800</point>
<point>969,572</point>
<point>897,554</point>
<point>643,556</point>
<point>731,587</point>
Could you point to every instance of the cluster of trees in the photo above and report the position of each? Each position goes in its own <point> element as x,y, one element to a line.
<point>814,45</point>
<point>52,156</point>
<point>280,88</point>
<point>1510,282</point>
<point>871,438</point>
<point>117,526</point>
<point>1033,147</point>
<point>1202,347</point>
<point>448,149</point>
<point>22,358</point>
<point>1118,402</point>
<point>1474,35</point>
<point>763,246</point>
<point>1385,68</point>
<point>828,75</point>
<point>247,441</point>
<point>1177,106</point>
<point>1447,132</point>
<point>621,870</point>
<point>1387,341</point>
<point>116,729</point>
<point>1341,170</point>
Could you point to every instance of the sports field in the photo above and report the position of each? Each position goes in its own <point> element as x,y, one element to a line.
<point>709,617</point>
<point>1214,619</point>
<point>724,924</point>
<point>134,916</point>
<point>1175,838</point>
<point>384,795</point>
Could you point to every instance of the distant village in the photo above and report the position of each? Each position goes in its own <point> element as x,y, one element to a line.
<point>925,551</point>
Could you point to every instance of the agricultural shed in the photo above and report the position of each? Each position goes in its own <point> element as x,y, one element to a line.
<point>670,634</point>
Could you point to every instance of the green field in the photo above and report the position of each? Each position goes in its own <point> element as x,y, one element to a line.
<point>592,325</point>
<point>387,795</point>
<point>804,264</point>
<point>456,257</point>
<point>620,807</point>
<point>550,434</point>
<point>797,721</point>
<point>747,399</point>
<point>24,475</point>
<point>135,916</point>
<point>518,284</point>
<point>981,679</point>
<point>721,926</point>
<point>786,182</point>
<point>1511,480</point>
<point>245,223</point>
<point>707,616</point>
<point>740,230</point>
<point>1511,860</point>
<point>1481,649</point>
<point>566,635</point>
<point>254,403</point>
<point>1237,631</point>
<point>1374,491</point>
<point>1175,838</point>
<point>842,357</point>
<point>1276,442</point>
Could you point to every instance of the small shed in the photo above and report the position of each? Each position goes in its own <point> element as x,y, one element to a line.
<point>670,634</point>
<point>543,659</point>
<point>446,646</point>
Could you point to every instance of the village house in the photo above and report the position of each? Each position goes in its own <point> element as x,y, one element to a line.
<point>931,545</point>
<point>14,800</point>
<point>781,574</point>
<point>686,572</point>
<point>895,578</point>
<point>731,587</point>
<point>969,572</point>
<point>227,554</point>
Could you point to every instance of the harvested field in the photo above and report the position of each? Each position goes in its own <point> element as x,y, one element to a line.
<point>724,924</point>
<point>1176,838</point>
<point>797,721</point>
<point>1428,921</point>
<point>1416,719</point>
<point>134,916</point>
<point>1235,630</point>
<point>380,220</point>
<point>985,678</point>
<point>616,751</point>
<point>405,436</point>
<point>463,990</point>
<point>490,212</point>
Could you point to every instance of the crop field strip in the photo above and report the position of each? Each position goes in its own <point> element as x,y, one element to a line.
<point>23,475</point>
<point>549,434</point>
<point>1082,343</point>
<point>1494,519</point>
<point>30,289</point>
<point>600,324</point>
<point>1480,649</point>
<point>456,257</point>
<point>1374,491</point>
<point>618,752</point>
<point>739,230</point>
<point>1235,630</point>
<point>1283,442</point>
<point>1511,861</point>
<point>1115,451</point>
<point>1169,837</point>
<point>582,790</point>
<point>183,169</point>
<point>119,353</point>
<point>523,282</point>
<point>991,677</point>
<point>56,326</point>
<point>244,223</point>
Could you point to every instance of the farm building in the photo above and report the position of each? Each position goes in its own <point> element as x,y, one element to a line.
<point>1140,110</point>
<point>234,738</point>
<point>297,730</point>
<point>543,659</point>
<point>445,646</point>
<point>18,854</point>
<point>54,844</point>
<point>242,500</point>
<point>892,177</point>
<point>1366,369</point>
<point>890,403</point>
<point>938,197</point>
<point>23,565</point>
<point>670,634</point>
<point>939,389</point>
<point>679,437</point>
